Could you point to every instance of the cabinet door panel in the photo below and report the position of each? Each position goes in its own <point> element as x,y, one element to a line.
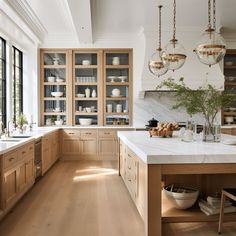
<point>10,187</point>
<point>21,178</point>
<point>29,171</point>
<point>89,147</point>
<point>71,146</point>
<point>107,149</point>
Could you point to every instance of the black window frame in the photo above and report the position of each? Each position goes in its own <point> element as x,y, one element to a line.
<point>14,83</point>
<point>3,58</point>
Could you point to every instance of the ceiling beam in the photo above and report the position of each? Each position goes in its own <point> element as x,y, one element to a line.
<point>82,19</point>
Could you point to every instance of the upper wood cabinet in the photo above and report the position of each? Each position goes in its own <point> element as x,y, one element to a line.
<point>55,89</point>
<point>118,87</point>
<point>92,83</point>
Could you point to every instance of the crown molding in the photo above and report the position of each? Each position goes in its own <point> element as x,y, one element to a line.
<point>27,14</point>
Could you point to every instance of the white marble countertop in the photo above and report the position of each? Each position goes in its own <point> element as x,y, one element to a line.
<point>157,150</point>
<point>6,146</point>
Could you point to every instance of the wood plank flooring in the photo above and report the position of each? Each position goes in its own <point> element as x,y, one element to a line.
<point>87,199</point>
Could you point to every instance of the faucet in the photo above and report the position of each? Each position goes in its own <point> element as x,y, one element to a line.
<point>8,129</point>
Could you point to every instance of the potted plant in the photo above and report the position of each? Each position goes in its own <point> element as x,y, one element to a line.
<point>21,121</point>
<point>206,100</point>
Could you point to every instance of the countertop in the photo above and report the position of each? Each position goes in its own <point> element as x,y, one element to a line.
<point>158,150</point>
<point>6,146</point>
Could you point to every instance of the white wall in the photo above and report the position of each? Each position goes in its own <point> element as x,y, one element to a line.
<point>16,33</point>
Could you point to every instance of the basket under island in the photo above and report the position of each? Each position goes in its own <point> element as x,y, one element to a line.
<point>147,163</point>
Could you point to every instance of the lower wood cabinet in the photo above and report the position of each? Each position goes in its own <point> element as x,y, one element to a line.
<point>17,174</point>
<point>133,172</point>
<point>50,150</point>
<point>89,144</point>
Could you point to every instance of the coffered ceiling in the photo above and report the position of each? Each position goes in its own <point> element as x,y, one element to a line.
<point>86,20</point>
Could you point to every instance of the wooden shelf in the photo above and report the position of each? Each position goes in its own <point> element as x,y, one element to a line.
<point>86,113</point>
<point>85,67</point>
<point>228,113</point>
<point>116,98</point>
<point>54,98</point>
<point>86,83</point>
<point>86,99</point>
<point>230,83</point>
<point>55,66</point>
<point>233,67</point>
<point>118,83</point>
<point>54,83</point>
<point>54,113</point>
<point>116,113</point>
<point>117,67</point>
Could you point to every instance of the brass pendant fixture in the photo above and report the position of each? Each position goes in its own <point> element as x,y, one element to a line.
<point>155,64</point>
<point>174,53</point>
<point>211,48</point>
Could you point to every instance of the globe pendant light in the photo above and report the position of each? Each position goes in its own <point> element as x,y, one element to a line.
<point>212,47</point>
<point>174,52</point>
<point>155,64</point>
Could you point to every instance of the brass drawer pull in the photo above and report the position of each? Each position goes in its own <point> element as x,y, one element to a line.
<point>129,167</point>
<point>89,133</point>
<point>31,148</point>
<point>129,180</point>
<point>107,133</point>
<point>71,133</point>
<point>23,152</point>
<point>12,159</point>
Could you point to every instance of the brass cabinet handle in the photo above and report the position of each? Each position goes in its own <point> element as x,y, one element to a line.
<point>129,180</point>
<point>129,167</point>
<point>23,152</point>
<point>129,155</point>
<point>71,133</point>
<point>11,159</point>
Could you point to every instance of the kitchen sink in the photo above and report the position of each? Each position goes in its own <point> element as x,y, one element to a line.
<point>9,140</point>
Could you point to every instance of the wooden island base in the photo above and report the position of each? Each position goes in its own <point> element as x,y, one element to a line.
<point>145,183</point>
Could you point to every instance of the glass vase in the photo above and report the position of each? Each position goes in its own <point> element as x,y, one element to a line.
<point>211,132</point>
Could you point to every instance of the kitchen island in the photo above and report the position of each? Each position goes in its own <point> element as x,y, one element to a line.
<point>146,164</point>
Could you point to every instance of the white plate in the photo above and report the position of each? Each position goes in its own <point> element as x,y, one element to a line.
<point>229,141</point>
<point>80,95</point>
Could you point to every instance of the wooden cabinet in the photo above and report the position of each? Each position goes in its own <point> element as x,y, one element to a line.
<point>55,77</point>
<point>227,130</point>
<point>107,144</point>
<point>97,71</point>
<point>133,171</point>
<point>50,150</point>
<point>18,174</point>
<point>230,86</point>
<point>87,80</point>
<point>117,77</point>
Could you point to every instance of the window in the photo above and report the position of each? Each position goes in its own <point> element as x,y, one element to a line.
<point>17,82</point>
<point>3,81</point>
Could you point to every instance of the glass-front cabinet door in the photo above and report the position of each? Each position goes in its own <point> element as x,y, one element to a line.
<point>117,87</point>
<point>87,80</point>
<point>54,87</point>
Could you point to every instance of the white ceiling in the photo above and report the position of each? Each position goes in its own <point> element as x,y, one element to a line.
<point>89,19</point>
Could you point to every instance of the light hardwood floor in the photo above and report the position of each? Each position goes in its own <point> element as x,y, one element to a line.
<point>87,199</point>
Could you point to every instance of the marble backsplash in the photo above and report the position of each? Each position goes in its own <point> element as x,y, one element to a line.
<point>158,105</point>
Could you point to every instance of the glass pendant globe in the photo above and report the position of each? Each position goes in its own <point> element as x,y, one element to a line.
<point>156,65</point>
<point>211,48</point>
<point>174,55</point>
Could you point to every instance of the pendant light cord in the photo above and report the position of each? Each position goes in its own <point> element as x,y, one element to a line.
<point>160,6</point>
<point>174,21</point>
<point>214,14</point>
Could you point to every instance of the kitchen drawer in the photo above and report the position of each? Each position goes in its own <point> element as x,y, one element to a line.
<point>25,150</point>
<point>71,134</point>
<point>10,159</point>
<point>107,133</point>
<point>88,134</point>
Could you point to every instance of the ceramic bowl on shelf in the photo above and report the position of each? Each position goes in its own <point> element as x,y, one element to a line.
<point>122,78</point>
<point>232,109</point>
<point>56,94</point>
<point>181,197</point>
<point>86,62</point>
<point>111,78</point>
<point>85,121</point>
<point>80,95</point>
<point>58,122</point>
<point>51,79</point>
<point>59,80</point>
<point>115,92</point>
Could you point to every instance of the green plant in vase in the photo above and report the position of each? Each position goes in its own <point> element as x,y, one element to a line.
<point>21,121</point>
<point>206,100</point>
